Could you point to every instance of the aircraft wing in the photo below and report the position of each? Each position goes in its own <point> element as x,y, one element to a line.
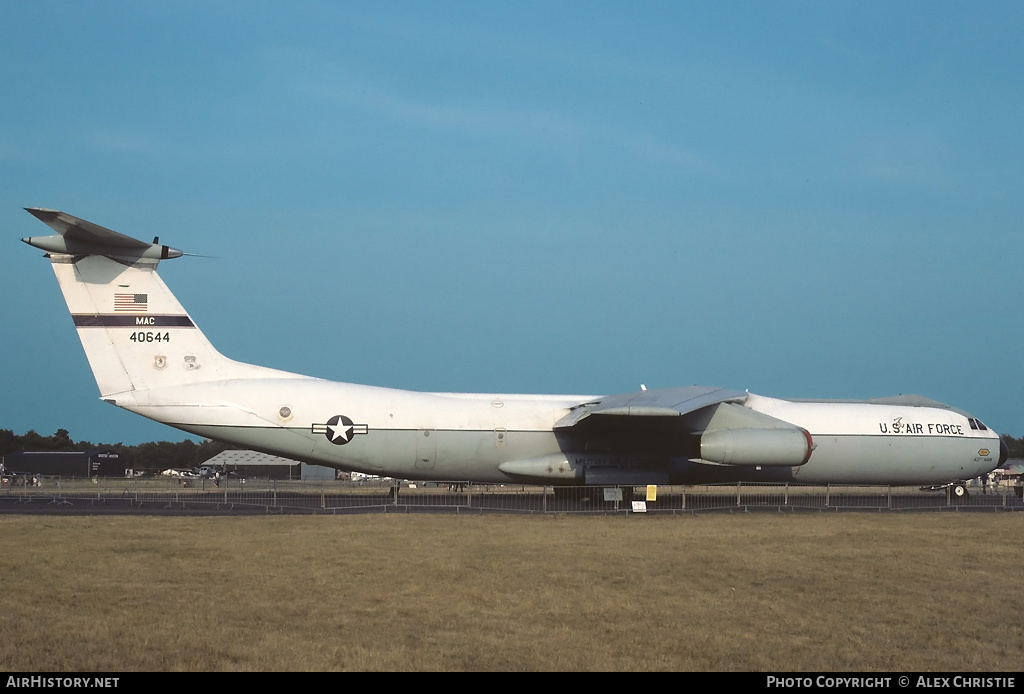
<point>700,423</point>
<point>663,402</point>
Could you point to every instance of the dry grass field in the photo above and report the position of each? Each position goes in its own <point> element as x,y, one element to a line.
<point>759,592</point>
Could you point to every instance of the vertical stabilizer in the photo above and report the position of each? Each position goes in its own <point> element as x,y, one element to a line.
<point>137,336</point>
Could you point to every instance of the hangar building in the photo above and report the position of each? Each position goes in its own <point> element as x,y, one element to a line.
<point>98,462</point>
<point>255,464</point>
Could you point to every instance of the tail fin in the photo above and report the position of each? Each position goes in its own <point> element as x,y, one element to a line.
<point>136,335</point>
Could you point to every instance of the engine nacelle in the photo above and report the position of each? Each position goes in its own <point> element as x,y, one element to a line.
<point>766,447</point>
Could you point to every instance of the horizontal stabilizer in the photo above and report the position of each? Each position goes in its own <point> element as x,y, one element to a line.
<point>81,238</point>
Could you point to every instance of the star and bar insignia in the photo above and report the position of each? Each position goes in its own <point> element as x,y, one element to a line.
<point>339,429</point>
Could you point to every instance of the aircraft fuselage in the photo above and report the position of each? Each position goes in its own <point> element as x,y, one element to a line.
<point>501,438</point>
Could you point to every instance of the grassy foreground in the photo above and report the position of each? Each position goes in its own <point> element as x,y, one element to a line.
<point>759,592</point>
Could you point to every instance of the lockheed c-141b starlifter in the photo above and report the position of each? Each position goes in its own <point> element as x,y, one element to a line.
<point>149,357</point>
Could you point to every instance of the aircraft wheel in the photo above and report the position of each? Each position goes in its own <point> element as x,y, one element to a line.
<point>957,492</point>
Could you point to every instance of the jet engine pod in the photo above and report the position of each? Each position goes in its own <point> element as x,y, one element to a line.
<point>767,447</point>
<point>543,470</point>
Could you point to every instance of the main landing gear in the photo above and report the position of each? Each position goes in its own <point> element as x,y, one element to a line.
<point>956,491</point>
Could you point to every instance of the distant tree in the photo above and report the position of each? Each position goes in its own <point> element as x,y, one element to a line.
<point>9,442</point>
<point>1015,446</point>
<point>62,441</point>
<point>32,441</point>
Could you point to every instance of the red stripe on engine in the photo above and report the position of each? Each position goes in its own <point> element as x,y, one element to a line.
<point>810,445</point>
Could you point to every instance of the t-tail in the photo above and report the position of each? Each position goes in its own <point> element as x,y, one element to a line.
<point>137,336</point>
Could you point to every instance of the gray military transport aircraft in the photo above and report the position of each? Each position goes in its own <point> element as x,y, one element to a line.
<point>149,357</point>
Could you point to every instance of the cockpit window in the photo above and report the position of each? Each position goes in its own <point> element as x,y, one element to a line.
<point>976,424</point>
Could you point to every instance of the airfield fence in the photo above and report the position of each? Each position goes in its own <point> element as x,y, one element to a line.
<point>289,496</point>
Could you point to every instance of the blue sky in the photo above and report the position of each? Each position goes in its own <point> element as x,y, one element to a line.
<point>802,199</point>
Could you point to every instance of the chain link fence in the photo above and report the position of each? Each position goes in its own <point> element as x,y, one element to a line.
<point>56,494</point>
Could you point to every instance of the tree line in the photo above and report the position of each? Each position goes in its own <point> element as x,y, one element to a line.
<point>156,455</point>
<point>160,455</point>
<point>1016,446</point>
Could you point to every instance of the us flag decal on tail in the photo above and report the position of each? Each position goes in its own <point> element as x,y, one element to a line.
<point>131,302</point>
